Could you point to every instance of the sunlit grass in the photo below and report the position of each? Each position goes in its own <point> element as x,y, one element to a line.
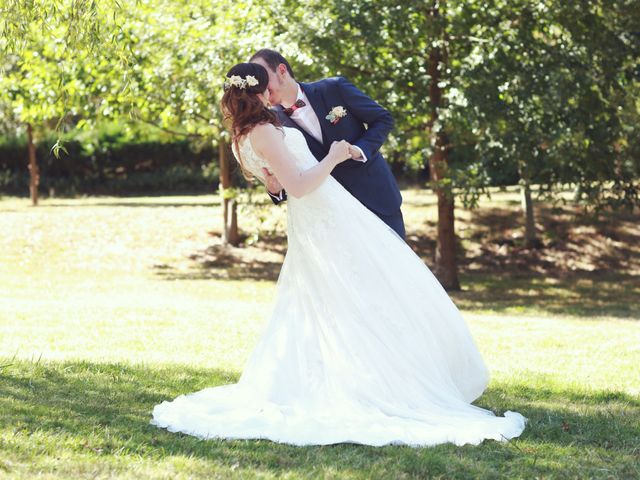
<point>107,308</point>
<point>80,419</point>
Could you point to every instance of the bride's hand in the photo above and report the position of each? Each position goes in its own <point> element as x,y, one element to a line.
<point>339,151</point>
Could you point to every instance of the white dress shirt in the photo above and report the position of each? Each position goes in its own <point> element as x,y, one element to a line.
<point>308,120</point>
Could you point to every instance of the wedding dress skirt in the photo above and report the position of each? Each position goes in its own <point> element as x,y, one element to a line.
<point>363,345</point>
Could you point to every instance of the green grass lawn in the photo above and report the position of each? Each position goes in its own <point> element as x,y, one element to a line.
<point>109,306</point>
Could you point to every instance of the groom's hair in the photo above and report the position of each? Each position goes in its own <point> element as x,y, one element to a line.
<point>273,59</point>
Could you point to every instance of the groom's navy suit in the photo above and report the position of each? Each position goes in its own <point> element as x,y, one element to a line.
<point>366,125</point>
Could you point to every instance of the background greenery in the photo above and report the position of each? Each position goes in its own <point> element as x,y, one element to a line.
<point>546,89</point>
<point>484,93</point>
<point>112,158</point>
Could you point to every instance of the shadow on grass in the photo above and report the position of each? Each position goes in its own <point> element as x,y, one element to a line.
<point>511,284</point>
<point>259,261</point>
<point>574,242</point>
<point>104,409</point>
<point>580,295</point>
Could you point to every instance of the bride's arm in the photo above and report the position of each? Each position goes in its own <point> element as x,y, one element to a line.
<point>268,142</point>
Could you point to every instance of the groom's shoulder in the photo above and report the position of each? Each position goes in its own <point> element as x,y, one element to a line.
<point>331,84</point>
<point>329,81</point>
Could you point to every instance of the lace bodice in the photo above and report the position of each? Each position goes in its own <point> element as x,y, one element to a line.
<point>295,142</point>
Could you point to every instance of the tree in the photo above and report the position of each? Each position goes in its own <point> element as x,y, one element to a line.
<point>167,70</point>
<point>553,97</point>
<point>472,83</point>
<point>44,81</point>
<point>406,56</point>
<point>180,53</point>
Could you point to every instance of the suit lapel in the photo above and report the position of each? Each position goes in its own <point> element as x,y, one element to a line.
<point>319,107</point>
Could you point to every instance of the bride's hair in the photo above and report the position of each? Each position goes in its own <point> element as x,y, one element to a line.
<point>241,107</point>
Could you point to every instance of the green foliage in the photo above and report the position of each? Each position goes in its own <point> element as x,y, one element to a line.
<point>63,60</point>
<point>112,158</point>
<point>553,95</point>
<point>546,91</point>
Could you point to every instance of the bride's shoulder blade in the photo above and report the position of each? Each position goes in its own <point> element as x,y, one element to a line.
<point>263,134</point>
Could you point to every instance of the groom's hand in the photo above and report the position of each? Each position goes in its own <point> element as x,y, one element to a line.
<point>273,185</point>
<point>356,153</point>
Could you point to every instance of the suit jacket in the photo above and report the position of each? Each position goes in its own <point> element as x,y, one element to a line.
<point>366,125</point>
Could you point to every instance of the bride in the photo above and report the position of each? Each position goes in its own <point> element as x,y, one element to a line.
<point>363,344</point>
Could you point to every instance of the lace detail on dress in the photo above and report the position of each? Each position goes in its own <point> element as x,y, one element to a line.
<point>250,159</point>
<point>295,142</point>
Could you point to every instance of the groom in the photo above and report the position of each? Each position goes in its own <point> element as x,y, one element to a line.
<point>330,110</point>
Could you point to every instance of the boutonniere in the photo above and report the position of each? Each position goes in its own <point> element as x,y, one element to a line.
<point>336,113</point>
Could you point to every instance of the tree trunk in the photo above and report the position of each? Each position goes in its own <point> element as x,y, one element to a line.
<point>446,268</point>
<point>230,234</point>
<point>530,236</point>
<point>34,173</point>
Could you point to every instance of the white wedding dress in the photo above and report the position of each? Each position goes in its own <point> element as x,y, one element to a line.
<point>363,345</point>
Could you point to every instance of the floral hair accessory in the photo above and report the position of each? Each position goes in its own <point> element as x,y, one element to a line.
<point>336,113</point>
<point>239,82</point>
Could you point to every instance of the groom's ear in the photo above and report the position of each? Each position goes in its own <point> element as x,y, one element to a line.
<point>282,69</point>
